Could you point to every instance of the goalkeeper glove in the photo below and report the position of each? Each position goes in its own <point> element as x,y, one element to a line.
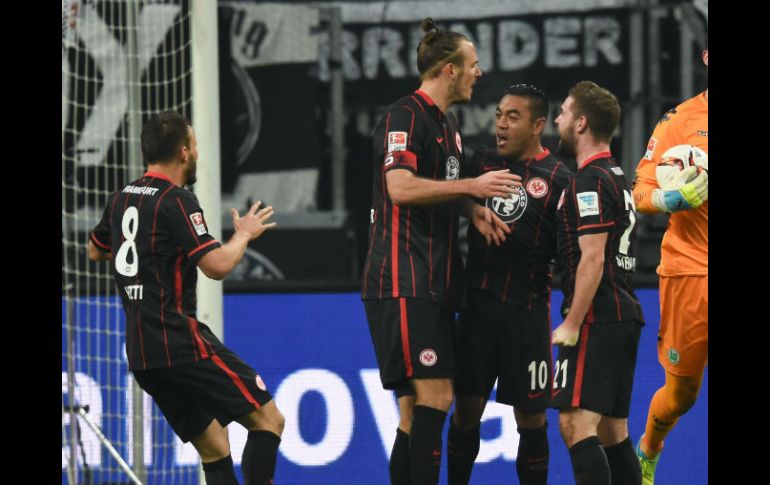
<point>686,191</point>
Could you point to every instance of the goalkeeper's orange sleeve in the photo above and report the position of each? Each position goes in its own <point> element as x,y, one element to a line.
<point>644,184</point>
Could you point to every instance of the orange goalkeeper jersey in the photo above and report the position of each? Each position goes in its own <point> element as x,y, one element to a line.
<point>684,250</point>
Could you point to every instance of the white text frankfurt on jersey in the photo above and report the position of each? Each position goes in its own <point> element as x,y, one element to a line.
<point>133,189</point>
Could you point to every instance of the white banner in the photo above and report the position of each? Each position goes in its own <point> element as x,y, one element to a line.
<point>273,33</point>
<point>416,10</point>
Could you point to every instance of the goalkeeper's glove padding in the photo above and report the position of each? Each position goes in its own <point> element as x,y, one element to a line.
<point>688,190</point>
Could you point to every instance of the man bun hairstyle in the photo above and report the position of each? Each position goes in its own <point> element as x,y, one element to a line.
<point>437,48</point>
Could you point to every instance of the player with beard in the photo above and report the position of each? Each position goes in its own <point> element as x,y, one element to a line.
<point>413,274</point>
<point>599,336</point>
<point>155,235</point>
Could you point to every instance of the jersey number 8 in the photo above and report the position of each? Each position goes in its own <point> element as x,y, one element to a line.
<point>129,225</point>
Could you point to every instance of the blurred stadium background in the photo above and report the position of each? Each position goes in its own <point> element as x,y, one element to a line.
<point>283,96</point>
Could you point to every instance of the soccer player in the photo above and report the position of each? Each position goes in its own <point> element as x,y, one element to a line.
<point>599,336</point>
<point>683,272</point>
<point>505,333</point>
<point>154,233</point>
<point>412,281</point>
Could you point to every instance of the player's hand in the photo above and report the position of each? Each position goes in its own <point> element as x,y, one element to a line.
<point>566,335</point>
<point>253,223</point>
<point>688,190</point>
<point>497,183</point>
<point>489,225</point>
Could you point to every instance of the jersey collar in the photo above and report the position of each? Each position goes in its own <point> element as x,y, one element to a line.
<point>431,104</point>
<point>157,175</point>
<point>542,155</point>
<point>595,157</point>
<point>536,158</point>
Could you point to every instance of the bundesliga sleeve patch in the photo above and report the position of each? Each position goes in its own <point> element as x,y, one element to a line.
<point>650,148</point>
<point>198,223</point>
<point>396,141</point>
<point>588,204</point>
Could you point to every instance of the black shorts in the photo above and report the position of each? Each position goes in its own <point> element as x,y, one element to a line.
<point>413,339</point>
<point>599,369</point>
<point>507,342</point>
<point>221,387</point>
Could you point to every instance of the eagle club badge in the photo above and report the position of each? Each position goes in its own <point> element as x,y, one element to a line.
<point>537,187</point>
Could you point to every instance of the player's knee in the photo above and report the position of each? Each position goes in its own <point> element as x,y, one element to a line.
<point>437,395</point>
<point>278,423</point>
<point>438,400</point>
<point>443,400</point>
<point>213,454</point>
<point>466,420</point>
<point>682,396</point>
<point>566,428</point>
<point>684,399</point>
<point>212,447</point>
<point>468,412</point>
<point>529,420</point>
<point>405,423</point>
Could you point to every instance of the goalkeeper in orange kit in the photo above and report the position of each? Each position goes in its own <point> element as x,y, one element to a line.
<point>683,272</point>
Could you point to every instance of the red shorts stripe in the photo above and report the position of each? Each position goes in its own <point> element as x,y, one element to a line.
<point>236,380</point>
<point>405,338</point>
<point>581,365</point>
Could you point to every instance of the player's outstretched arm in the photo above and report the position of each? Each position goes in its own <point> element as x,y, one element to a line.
<point>405,188</point>
<point>218,263</point>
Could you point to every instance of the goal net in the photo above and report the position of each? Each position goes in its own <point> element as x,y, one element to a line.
<point>122,61</point>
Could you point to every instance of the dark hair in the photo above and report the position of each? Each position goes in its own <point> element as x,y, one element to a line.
<point>436,48</point>
<point>538,103</point>
<point>600,107</point>
<point>163,135</point>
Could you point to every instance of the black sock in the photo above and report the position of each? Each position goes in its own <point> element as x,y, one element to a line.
<point>220,472</point>
<point>589,463</point>
<point>624,464</point>
<point>425,444</point>
<point>532,459</point>
<point>259,454</point>
<point>400,465</point>
<point>463,448</point>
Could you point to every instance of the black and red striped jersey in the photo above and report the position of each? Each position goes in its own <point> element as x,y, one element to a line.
<point>413,249</point>
<point>519,270</point>
<point>156,234</point>
<point>598,199</point>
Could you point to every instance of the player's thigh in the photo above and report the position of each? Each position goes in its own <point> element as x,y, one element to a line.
<point>413,339</point>
<point>267,418</point>
<point>526,376</point>
<point>597,373</point>
<point>683,335</point>
<point>179,405</point>
<point>227,387</point>
<point>480,345</point>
